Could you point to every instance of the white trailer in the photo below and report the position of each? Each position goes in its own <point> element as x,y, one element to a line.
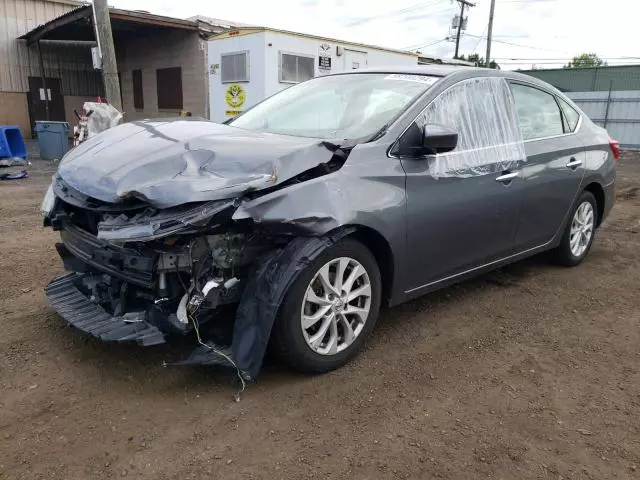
<point>248,65</point>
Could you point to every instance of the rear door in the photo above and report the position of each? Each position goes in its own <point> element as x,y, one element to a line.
<point>554,168</point>
<point>462,206</point>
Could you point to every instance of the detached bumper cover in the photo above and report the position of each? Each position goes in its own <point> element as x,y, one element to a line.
<point>82,313</point>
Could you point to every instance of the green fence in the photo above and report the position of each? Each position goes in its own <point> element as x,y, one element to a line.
<point>598,79</point>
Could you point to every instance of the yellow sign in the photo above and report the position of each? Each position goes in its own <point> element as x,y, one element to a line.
<point>232,113</point>
<point>235,96</point>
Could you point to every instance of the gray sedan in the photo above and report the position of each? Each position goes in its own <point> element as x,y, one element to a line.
<point>309,211</point>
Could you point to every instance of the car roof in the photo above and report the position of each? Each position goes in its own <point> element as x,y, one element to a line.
<point>461,73</point>
<point>436,70</point>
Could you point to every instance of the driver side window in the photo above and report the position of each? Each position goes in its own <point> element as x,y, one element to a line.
<point>481,111</point>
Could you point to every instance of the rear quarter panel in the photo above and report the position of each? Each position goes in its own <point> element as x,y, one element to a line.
<point>600,165</point>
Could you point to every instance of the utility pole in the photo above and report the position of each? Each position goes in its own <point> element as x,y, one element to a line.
<point>462,3</point>
<point>489,33</point>
<point>104,38</point>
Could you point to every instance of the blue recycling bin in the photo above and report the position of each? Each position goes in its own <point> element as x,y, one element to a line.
<point>11,142</point>
<point>53,139</point>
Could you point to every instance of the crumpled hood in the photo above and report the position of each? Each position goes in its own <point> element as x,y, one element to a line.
<point>172,162</point>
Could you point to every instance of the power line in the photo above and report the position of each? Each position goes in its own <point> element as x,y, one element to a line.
<point>526,1</point>
<point>533,36</point>
<point>429,44</point>
<point>480,38</point>
<point>416,45</point>
<point>523,46</point>
<point>392,13</point>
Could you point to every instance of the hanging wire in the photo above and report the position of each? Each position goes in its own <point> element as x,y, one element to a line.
<point>196,327</point>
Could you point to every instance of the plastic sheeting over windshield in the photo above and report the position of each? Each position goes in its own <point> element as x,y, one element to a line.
<point>482,111</point>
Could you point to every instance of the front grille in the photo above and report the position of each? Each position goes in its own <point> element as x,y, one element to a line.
<point>124,263</point>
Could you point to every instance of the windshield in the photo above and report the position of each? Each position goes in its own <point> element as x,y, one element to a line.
<point>337,106</point>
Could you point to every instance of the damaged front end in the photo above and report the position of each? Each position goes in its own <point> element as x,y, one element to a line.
<point>143,275</point>
<point>143,272</point>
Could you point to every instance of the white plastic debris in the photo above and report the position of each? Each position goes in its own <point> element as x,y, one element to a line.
<point>209,286</point>
<point>181,313</point>
<point>104,117</point>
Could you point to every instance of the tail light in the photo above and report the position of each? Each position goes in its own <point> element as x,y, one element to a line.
<point>615,148</point>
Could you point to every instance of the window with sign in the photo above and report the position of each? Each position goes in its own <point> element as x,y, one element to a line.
<point>295,68</point>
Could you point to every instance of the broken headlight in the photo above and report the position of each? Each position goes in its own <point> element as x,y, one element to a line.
<point>152,224</point>
<point>48,202</point>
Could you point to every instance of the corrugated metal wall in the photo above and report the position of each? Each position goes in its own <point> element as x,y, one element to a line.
<point>70,63</point>
<point>619,113</point>
<point>73,65</point>
<point>622,77</point>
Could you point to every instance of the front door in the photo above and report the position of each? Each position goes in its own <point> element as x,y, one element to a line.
<point>37,96</point>
<point>462,206</point>
<point>554,168</point>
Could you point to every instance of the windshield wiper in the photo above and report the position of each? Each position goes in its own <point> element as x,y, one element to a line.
<point>381,131</point>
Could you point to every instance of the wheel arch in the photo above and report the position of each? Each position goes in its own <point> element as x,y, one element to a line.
<point>383,254</point>
<point>598,192</point>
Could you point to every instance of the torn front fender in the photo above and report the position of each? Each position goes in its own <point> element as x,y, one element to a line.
<point>314,207</point>
<point>264,295</point>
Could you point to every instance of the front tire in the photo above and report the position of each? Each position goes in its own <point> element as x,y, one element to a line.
<point>330,309</point>
<point>579,232</point>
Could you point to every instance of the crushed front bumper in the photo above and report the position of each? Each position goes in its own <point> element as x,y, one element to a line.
<point>77,309</point>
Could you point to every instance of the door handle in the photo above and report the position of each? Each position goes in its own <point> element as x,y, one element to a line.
<point>573,164</point>
<point>507,177</point>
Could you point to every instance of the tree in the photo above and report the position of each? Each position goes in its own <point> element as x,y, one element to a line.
<point>586,60</point>
<point>478,61</point>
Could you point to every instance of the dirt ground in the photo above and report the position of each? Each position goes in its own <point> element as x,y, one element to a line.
<point>532,371</point>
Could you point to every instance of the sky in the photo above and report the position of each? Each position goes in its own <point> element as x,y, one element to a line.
<point>527,33</point>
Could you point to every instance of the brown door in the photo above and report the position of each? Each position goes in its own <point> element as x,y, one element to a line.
<point>37,94</point>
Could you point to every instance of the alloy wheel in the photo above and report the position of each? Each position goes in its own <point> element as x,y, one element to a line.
<point>581,229</point>
<point>336,306</point>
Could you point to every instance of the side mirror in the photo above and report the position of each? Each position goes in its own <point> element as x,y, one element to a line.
<point>438,139</point>
<point>427,140</point>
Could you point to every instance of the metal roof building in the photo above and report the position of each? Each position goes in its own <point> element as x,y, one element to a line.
<point>46,68</point>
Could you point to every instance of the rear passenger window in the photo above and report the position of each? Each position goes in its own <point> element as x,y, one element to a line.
<point>570,115</point>
<point>538,113</point>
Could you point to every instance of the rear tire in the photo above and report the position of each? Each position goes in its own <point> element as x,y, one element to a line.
<point>579,231</point>
<point>298,338</point>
